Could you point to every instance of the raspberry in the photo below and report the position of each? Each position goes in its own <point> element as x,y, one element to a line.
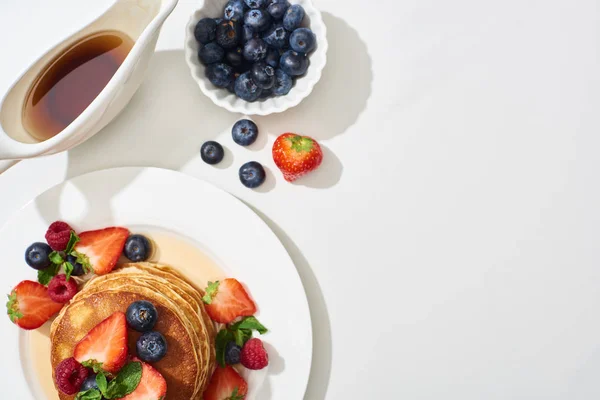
<point>254,355</point>
<point>60,290</point>
<point>69,376</point>
<point>58,235</point>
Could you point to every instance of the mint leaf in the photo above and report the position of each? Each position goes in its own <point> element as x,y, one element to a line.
<point>68,270</point>
<point>73,239</point>
<point>56,258</point>
<point>211,290</point>
<point>101,382</point>
<point>241,336</point>
<point>94,365</point>
<point>45,275</point>
<point>223,337</point>
<point>91,394</point>
<point>126,381</point>
<point>249,323</point>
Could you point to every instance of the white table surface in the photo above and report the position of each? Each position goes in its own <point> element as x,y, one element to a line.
<point>449,242</point>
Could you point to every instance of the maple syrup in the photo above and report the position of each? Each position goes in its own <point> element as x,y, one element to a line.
<point>70,82</point>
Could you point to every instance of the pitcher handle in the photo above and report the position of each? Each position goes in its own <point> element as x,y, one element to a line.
<point>4,165</point>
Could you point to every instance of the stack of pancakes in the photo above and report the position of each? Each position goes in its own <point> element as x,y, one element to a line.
<point>182,319</point>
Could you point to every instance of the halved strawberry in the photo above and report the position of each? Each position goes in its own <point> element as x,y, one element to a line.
<point>102,248</point>
<point>152,386</point>
<point>226,300</point>
<point>226,384</point>
<point>105,344</point>
<point>30,306</point>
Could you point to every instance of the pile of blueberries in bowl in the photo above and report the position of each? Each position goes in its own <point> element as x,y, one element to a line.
<point>256,49</point>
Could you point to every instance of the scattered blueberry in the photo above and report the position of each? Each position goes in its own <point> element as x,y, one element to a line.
<point>246,88</point>
<point>228,34</point>
<point>151,346</point>
<point>37,255</point>
<point>263,75</point>
<point>210,53</point>
<point>256,3</point>
<point>137,248</point>
<point>293,63</point>
<point>283,83</point>
<point>244,132</point>
<point>232,353</point>
<point>255,50</point>
<point>258,20</point>
<point>234,57</point>
<point>206,30</point>
<point>219,74</point>
<point>89,383</point>
<point>277,9</point>
<point>211,152</point>
<point>247,33</point>
<point>252,174</point>
<point>141,316</point>
<point>303,40</point>
<point>277,36</point>
<point>77,267</point>
<point>234,10</point>
<point>273,58</point>
<point>293,17</point>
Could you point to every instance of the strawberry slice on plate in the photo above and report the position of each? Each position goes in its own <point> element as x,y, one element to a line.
<point>105,345</point>
<point>102,248</point>
<point>226,384</point>
<point>29,305</point>
<point>226,300</point>
<point>151,386</point>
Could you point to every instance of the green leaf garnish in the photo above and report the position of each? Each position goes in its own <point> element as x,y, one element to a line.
<point>56,258</point>
<point>126,381</point>
<point>94,365</point>
<point>250,323</point>
<point>91,394</point>
<point>12,307</point>
<point>68,270</point>
<point>73,239</point>
<point>101,382</point>
<point>223,337</point>
<point>45,275</point>
<point>241,336</point>
<point>211,290</point>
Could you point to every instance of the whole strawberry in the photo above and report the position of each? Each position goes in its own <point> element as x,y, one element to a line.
<point>296,155</point>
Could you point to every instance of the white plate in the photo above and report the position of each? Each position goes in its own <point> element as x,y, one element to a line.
<point>235,236</point>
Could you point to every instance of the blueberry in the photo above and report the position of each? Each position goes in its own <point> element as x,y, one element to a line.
<point>246,88</point>
<point>37,255</point>
<point>244,132</point>
<point>77,267</point>
<point>137,248</point>
<point>303,40</point>
<point>252,174</point>
<point>234,57</point>
<point>255,50</point>
<point>206,30</point>
<point>229,34</point>
<point>141,316</point>
<point>151,346</point>
<point>231,86</point>
<point>273,58</point>
<point>219,74</point>
<point>89,383</point>
<point>283,83</point>
<point>277,9</point>
<point>210,53</point>
<point>277,36</point>
<point>258,20</point>
<point>232,353</point>
<point>256,3</point>
<point>266,93</point>
<point>263,75</point>
<point>293,63</point>
<point>234,10</point>
<point>293,17</point>
<point>247,33</point>
<point>211,152</point>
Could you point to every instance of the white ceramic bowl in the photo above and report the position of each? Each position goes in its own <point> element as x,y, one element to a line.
<point>221,97</point>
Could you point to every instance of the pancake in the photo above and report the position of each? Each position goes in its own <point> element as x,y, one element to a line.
<point>183,321</point>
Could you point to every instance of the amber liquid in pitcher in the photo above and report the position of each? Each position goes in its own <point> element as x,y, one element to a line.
<point>70,82</point>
